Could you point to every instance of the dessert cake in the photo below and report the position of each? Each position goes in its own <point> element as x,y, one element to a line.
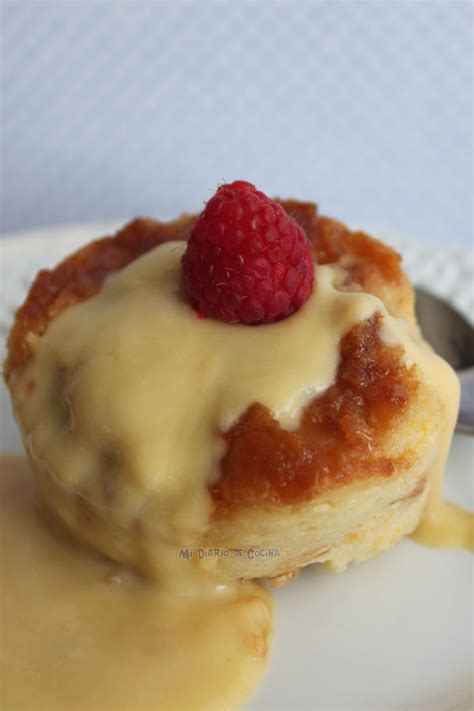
<point>246,389</point>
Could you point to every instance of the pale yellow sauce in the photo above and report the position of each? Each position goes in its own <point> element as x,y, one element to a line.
<point>77,632</point>
<point>122,409</point>
<point>132,392</point>
<point>445,525</point>
<point>442,525</point>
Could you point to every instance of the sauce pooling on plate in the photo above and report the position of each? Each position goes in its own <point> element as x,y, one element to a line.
<point>79,633</point>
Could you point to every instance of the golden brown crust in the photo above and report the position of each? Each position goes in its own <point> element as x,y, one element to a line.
<point>332,241</point>
<point>80,276</point>
<point>337,440</point>
<point>368,263</point>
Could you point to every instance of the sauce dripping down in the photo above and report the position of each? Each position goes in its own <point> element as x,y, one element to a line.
<point>79,633</point>
<point>442,524</point>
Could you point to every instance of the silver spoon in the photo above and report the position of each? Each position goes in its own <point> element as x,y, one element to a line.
<point>452,337</point>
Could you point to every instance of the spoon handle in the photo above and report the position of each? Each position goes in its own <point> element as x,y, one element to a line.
<point>466,409</point>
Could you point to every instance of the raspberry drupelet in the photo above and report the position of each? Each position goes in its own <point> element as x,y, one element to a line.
<point>247,261</point>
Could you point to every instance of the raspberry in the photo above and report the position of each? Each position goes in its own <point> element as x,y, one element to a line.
<point>247,261</point>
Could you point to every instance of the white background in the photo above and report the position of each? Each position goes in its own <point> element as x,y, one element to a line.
<point>112,109</point>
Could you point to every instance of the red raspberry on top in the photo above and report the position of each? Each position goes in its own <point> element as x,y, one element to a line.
<point>247,261</point>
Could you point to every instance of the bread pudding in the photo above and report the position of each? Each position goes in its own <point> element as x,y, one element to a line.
<point>251,444</point>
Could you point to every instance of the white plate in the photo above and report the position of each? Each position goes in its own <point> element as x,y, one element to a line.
<point>393,633</point>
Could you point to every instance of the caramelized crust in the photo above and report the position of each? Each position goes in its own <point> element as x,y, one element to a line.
<point>333,241</point>
<point>338,439</point>
<point>340,432</point>
<point>368,263</point>
<point>80,276</point>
